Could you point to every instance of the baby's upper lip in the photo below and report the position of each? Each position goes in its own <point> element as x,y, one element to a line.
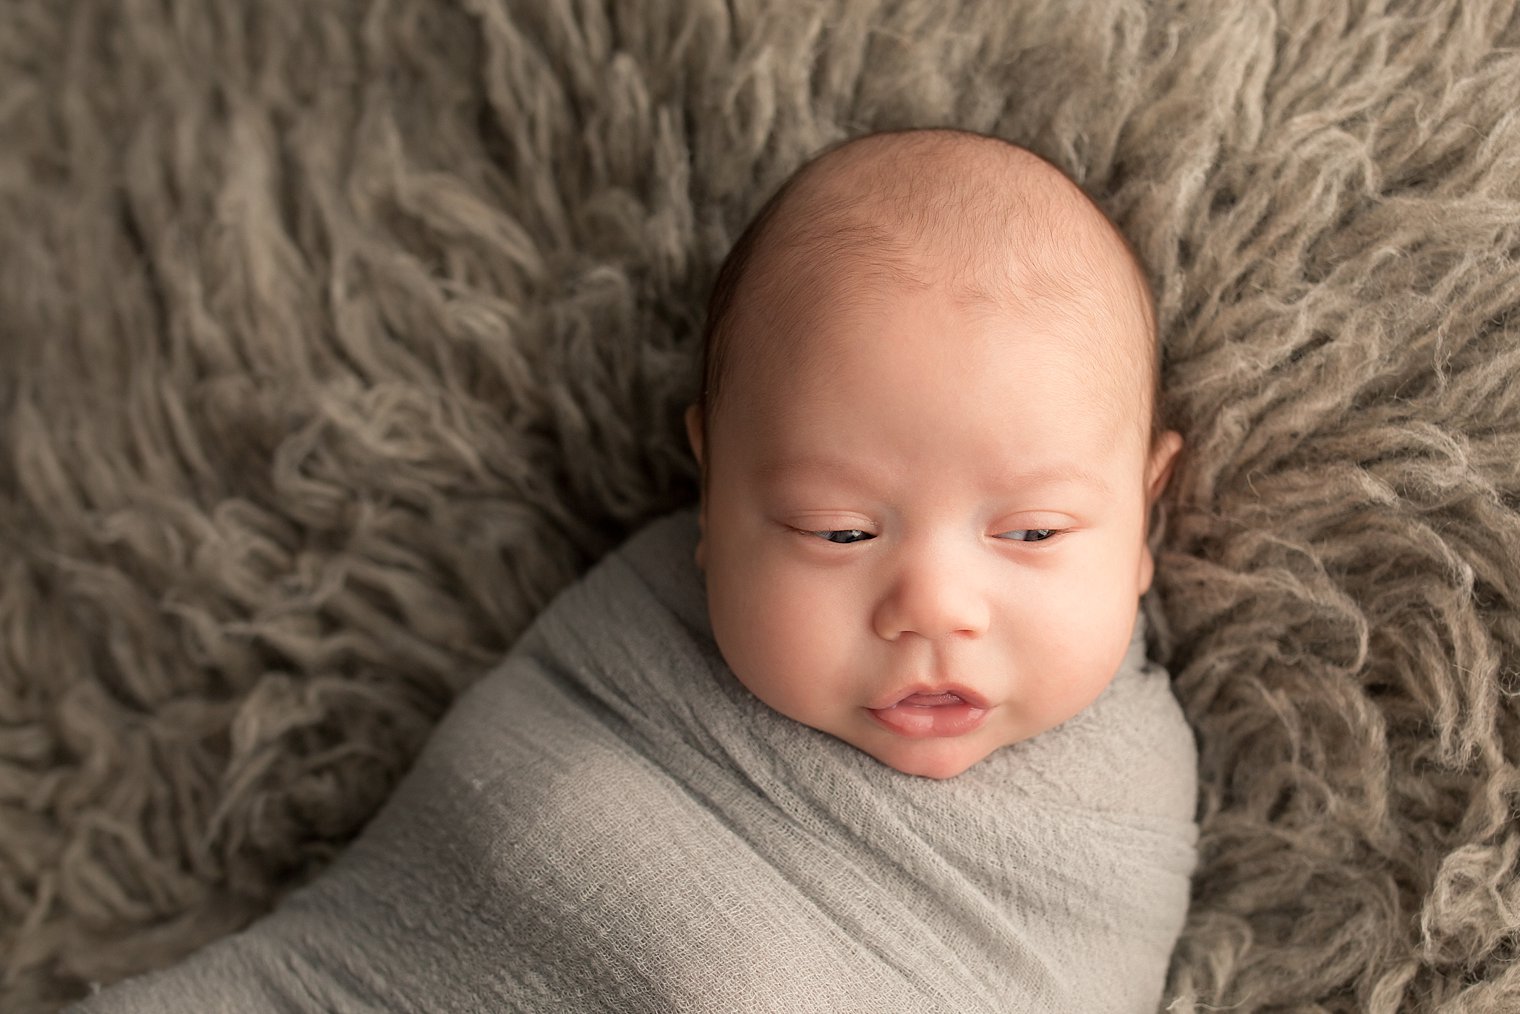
<point>971,697</point>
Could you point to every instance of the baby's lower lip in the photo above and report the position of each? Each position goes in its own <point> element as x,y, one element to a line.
<point>917,717</point>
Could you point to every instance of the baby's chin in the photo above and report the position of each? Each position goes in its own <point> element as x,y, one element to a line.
<point>938,759</point>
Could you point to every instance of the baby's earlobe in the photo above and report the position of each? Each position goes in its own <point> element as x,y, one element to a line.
<point>1147,570</point>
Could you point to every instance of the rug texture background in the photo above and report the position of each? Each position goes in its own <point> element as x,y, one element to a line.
<point>336,337</point>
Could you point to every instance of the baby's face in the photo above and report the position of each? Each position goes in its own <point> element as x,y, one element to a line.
<point>930,497</point>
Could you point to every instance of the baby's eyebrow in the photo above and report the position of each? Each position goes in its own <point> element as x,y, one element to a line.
<point>1055,473</point>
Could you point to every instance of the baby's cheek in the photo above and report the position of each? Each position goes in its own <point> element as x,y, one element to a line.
<point>1086,630</point>
<point>811,638</point>
<point>777,632</point>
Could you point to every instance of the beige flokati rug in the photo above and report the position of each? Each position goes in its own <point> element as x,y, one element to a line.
<point>336,337</point>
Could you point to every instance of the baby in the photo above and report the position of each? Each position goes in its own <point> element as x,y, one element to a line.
<point>930,439</point>
<point>928,443</point>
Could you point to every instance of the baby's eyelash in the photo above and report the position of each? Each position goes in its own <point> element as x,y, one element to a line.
<point>824,534</point>
<point>1045,534</point>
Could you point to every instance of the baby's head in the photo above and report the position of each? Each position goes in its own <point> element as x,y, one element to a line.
<point>929,439</point>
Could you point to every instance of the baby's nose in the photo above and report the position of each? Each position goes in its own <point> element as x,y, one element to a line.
<point>934,599</point>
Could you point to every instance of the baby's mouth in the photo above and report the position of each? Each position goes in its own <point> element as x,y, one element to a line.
<point>932,713</point>
<point>931,700</point>
<point>929,696</point>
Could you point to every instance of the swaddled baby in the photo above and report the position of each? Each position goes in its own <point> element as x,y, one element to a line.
<point>873,728</point>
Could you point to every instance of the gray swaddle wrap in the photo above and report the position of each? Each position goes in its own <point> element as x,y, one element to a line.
<point>610,821</point>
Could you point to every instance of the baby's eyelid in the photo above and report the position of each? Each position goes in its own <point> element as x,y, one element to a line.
<point>866,535</point>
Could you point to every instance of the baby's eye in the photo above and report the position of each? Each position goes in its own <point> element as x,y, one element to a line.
<point>1030,534</point>
<point>846,532</point>
<point>849,536</point>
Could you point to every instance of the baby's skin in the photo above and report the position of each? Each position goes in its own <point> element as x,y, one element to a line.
<point>929,445</point>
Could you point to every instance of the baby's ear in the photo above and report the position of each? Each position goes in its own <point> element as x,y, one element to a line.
<point>1158,472</point>
<point>1159,469</point>
<point>694,436</point>
<point>694,431</point>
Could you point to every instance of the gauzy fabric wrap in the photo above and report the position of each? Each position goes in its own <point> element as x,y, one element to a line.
<point>610,821</point>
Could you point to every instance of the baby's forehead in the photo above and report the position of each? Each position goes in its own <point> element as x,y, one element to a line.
<point>827,269</point>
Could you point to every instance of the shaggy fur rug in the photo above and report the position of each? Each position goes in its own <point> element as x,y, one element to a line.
<point>336,337</point>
